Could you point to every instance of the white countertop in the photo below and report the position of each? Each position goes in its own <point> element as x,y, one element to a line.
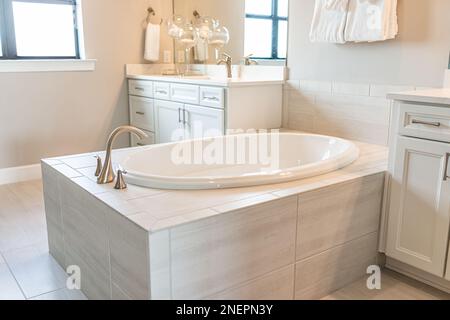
<point>155,210</point>
<point>213,75</point>
<point>433,96</point>
<point>206,81</point>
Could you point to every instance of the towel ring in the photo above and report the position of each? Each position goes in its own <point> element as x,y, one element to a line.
<point>151,13</point>
<point>196,14</point>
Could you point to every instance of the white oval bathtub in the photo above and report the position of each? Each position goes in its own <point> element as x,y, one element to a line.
<point>237,161</point>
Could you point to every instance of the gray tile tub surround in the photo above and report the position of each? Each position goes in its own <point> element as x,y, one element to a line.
<point>110,250</point>
<point>237,247</point>
<point>358,111</point>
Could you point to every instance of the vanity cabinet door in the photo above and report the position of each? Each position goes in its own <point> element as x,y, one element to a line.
<point>202,122</point>
<point>169,121</point>
<point>142,113</point>
<point>419,217</point>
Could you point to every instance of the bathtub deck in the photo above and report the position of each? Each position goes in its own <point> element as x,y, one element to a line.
<point>156,210</point>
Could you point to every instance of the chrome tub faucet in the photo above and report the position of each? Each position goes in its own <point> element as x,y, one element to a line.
<point>105,173</point>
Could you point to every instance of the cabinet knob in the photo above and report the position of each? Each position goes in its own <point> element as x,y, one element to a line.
<point>140,113</point>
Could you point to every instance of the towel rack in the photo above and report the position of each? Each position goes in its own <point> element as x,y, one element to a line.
<point>196,14</point>
<point>151,13</point>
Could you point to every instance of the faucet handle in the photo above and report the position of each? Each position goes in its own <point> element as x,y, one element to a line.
<point>248,60</point>
<point>226,56</point>
<point>98,171</point>
<point>120,182</point>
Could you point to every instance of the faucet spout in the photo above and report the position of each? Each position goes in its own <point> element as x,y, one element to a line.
<point>107,174</point>
<point>228,61</point>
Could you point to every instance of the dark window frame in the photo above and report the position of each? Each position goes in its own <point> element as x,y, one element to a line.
<point>7,31</point>
<point>275,23</point>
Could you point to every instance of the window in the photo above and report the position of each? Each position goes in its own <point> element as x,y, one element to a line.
<point>266,28</point>
<point>38,29</point>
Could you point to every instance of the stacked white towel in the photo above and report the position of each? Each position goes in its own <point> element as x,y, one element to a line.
<point>330,17</point>
<point>371,20</point>
<point>152,42</point>
<point>339,21</point>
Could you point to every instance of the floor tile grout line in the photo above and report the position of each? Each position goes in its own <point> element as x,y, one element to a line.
<point>43,294</point>
<point>14,276</point>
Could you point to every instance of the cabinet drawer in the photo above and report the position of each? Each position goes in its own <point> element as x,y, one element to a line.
<point>161,90</point>
<point>425,122</point>
<point>184,93</point>
<point>212,97</point>
<point>142,113</point>
<point>140,88</point>
<point>136,142</point>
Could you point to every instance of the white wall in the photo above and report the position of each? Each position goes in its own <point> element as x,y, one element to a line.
<point>340,89</point>
<point>50,114</point>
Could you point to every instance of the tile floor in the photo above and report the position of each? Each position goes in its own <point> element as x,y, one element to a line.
<point>27,271</point>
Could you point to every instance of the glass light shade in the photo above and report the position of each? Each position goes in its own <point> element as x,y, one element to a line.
<point>175,26</point>
<point>205,27</point>
<point>220,37</point>
<point>188,36</point>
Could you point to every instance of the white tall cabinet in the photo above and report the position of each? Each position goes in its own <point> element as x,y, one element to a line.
<point>171,111</point>
<point>418,215</point>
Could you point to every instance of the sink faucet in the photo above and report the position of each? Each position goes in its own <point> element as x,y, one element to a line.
<point>107,173</point>
<point>248,61</point>
<point>227,60</point>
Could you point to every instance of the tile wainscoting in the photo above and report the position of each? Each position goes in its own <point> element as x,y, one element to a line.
<point>348,110</point>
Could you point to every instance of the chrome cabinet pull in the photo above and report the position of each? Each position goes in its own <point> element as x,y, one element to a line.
<point>447,158</point>
<point>139,89</point>
<point>179,115</point>
<point>427,123</point>
<point>140,113</point>
<point>184,117</point>
<point>161,92</point>
<point>211,98</point>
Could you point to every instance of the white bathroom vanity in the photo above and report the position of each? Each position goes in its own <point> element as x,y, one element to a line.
<point>418,207</point>
<point>173,108</point>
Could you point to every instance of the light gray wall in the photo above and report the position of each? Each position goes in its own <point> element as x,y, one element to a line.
<point>417,57</point>
<point>51,114</point>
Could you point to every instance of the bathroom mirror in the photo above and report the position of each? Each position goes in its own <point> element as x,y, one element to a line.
<point>257,28</point>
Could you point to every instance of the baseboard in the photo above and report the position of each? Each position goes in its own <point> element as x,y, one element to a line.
<point>20,174</point>
<point>418,275</point>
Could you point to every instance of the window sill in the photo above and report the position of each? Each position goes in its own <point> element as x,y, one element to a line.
<point>56,65</point>
<point>271,62</point>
